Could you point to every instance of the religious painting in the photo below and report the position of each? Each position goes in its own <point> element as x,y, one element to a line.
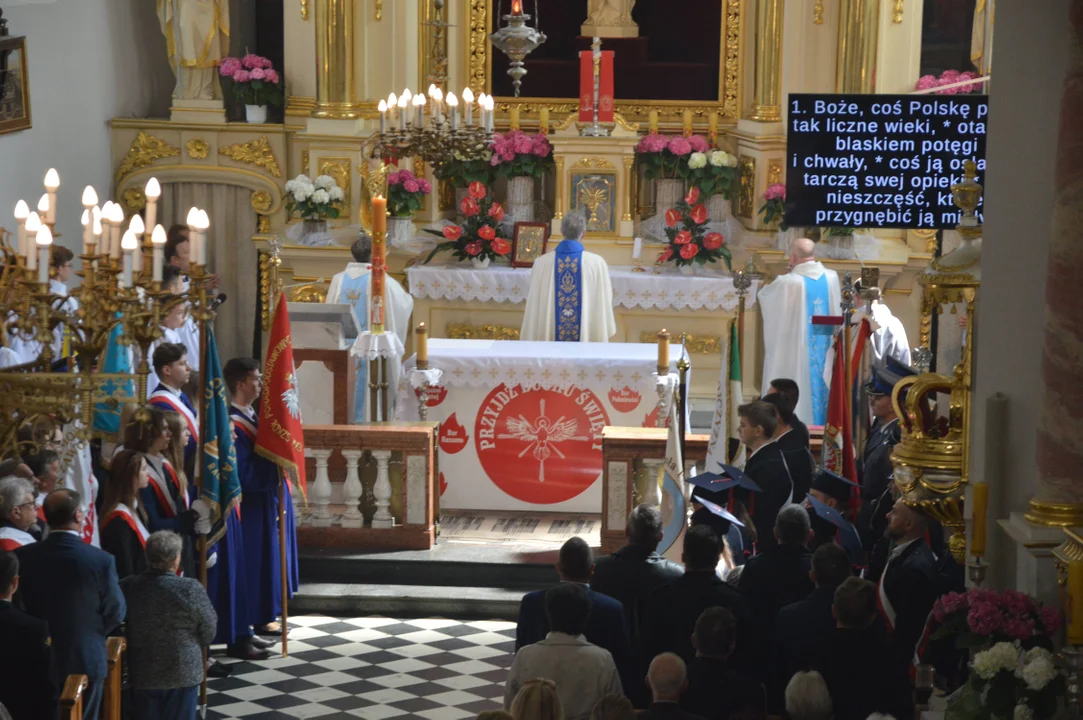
<point>529,243</point>
<point>14,86</point>
<point>595,196</point>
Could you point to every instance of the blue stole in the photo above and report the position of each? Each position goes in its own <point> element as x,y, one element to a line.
<point>569,290</point>
<point>818,302</point>
<point>355,292</point>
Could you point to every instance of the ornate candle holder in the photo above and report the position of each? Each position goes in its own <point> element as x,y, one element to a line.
<point>517,40</point>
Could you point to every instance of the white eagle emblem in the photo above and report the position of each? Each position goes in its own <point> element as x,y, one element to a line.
<point>542,436</point>
<point>291,398</point>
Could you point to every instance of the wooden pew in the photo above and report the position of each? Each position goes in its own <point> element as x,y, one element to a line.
<point>111,696</point>
<point>71,698</point>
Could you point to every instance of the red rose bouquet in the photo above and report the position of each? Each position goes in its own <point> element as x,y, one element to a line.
<point>479,237</point>
<point>689,241</point>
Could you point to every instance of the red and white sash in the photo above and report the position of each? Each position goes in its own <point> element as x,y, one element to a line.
<point>163,491</point>
<point>39,506</point>
<point>173,401</point>
<point>13,537</point>
<point>124,513</point>
<point>884,603</point>
<point>242,424</point>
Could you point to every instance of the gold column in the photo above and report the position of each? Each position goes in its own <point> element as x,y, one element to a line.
<point>629,189</point>
<point>768,86</point>
<point>859,27</point>
<point>334,60</point>
<point>558,203</point>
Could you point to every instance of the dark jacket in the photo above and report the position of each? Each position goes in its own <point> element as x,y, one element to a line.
<point>799,461</point>
<point>801,429</point>
<point>768,468</point>
<point>674,609</point>
<point>170,621</point>
<point>717,690</point>
<point>73,587</point>
<point>801,632</point>
<point>876,473</point>
<point>910,583</point>
<point>606,628</point>
<point>119,540</point>
<point>28,683</point>
<point>856,666</point>
<point>776,578</point>
<point>665,711</point>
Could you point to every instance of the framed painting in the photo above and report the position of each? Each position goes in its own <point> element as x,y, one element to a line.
<point>529,243</point>
<point>14,85</point>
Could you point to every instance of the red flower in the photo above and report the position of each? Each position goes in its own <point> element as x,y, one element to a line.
<point>473,248</point>
<point>469,207</point>
<point>693,196</point>
<point>477,190</point>
<point>713,241</point>
<point>496,212</point>
<point>665,255</point>
<point>672,217</point>
<point>683,237</point>
<point>699,214</point>
<point>689,251</point>
<point>453,232</point>
<point>485,232</point>
<point>501,246</point>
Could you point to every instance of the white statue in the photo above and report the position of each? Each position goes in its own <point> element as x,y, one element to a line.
<point>610,18</point>
<point>197,38</point>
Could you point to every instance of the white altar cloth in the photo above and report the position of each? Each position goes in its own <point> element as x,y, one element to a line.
<point>521,422</point>
<point>707,289</point>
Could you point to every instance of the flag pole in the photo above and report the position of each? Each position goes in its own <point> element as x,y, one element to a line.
<point>202,315</point>
<point>283,479</point>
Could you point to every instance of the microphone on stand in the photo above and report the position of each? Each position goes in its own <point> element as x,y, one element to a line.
<point>218,300</point>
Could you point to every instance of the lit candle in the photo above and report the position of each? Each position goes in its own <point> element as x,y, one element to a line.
<point>712,126</point>
<point>153,191</point>
<point>419,102</point>
<point>687,122</point>
<point>128,244</point>
<point>489,107</point>
<point>979,495</point>
<point>90,198</point>
<point>402,112</point>
<point>421,340</point>
<point>157,239</point>
<point>453,103</point>
<point>43,208</point>
<point>514,120</point>
<point>44,240</point>
<point>88,229</point>
<point>652,122</point>
<point>437,105</point>
<point>1075,603</point>
<point>106,215</point>
<point>33,224</point>
<point>137,228</point>
<point>543,121</point>
<point>383,116</point>
<point>204,224</point>
<point>516,7</point>
<point>22,212</point>
<point>468,100</point>
<point>379,214</point>
<point>192,221</point>
<point>52,182</point>
<point>115,224</point>
<point>96,230</point>
<point>379,265</point>
<point>663,352</point>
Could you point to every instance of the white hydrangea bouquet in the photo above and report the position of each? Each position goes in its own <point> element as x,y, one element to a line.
<point>313,199</point>
<point>1011,683</point>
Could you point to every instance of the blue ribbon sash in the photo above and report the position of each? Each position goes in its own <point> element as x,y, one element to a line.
<point>569,290</point>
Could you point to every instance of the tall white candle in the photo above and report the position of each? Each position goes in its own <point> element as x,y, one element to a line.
<point>453,103</point>
<point>52,183</point>
<point>637,248</point>
<point>22,212</point>
<point>43,208</point>
<point>96,220</point>
<point>128,244</point>
<point>88,230</point>
<point>153,191</point>
<point>383,116</point>
<point>33,224</point>
<point>204,224</point>
<point>45,243</point>
<point>403,113</point>
<point>157,239</point>
<point>116,223</point>
<point>137,228</point>
<point>468,101</point>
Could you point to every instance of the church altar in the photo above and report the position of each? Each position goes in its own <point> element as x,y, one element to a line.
<point>527,418</point>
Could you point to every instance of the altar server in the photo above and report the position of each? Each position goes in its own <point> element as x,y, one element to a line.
<point>571,297</point>
<point>60,271</point>
<point>178,255</point>
<point>793,347</point>
<point>170,362</point>
<point>259,506</point>
<point>351,287</point>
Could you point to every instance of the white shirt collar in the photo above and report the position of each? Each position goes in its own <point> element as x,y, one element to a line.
<point>900,548</point>
<point>753,453</point>
<point>172,390</point>
<point>783,435</point>
<point>249,412</point>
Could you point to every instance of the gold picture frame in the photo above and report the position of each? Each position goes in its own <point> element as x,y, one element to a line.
<point>529,243</point>
<point>14,85</point>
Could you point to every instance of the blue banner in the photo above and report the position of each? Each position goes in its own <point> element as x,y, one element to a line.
<point>117,360</point>
<point>221,484</point>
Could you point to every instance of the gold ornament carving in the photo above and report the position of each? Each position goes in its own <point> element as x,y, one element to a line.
<point>263,225</point>
<point>592,162</point>
<point>478,50</point>
<point>629,126</point>
<point>774,171</point>
<point>306,161</point>
<point>255,152</point>
<point>731,67</point>
<point>308,293</point>
<point>339,169</point>
<point>897,12</point>
<point>466,331</point>
<point>379,10</point>
<point>145,150</point>
<point>261,201</point>
<point>818,12</point>
<point>1067,553</point>
<point>198,148</point>
<point>746,202</point>
<point>695,344</point>
<point>1054,514</point>
<point>134,199</point>
<point>304,9</point>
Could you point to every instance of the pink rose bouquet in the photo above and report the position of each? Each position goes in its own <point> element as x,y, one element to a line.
<point>774,205</point>
<point>979,618</point>
<point>949,77</point>
<point>675,157</point>
<point>689,241</point>
<point>479,236</point>
<point>517,154</point>
<point>406,193</point>
<point>254,79</point>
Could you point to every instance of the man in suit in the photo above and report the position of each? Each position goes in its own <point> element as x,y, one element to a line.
<point>72,586</point>
<point>606,627</point>
<point>794,448</point>
<point>28,686</point>
<point>717,689</point>
<point>630,575</point>
<point>908,586</point>
<point>787,387</point>
<point>767,468</point>
<point>668,679</point>
<point>876,472</point>
<point>674,608</point>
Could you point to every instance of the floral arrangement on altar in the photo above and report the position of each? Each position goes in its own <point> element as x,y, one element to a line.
<point>313,199</point>
<point>406,193</point>
<point>517,154</point>
<point>949,77</point>
<point>255,81</point>
<point>713,172</point>
<point>980,618</point>
<point>774,206</point>
<point>477,239</point>
<point>668,158</point>
<point>689,242</point>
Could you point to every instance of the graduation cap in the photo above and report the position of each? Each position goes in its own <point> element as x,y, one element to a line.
<point>826,512</point>
<point>729,479</point>
<point>885,376</point>
<point>833,485</point>
<point>718,511</point>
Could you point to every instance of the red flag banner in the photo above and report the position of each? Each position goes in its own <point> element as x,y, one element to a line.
<point>280,437</point>
<point>838,448</point>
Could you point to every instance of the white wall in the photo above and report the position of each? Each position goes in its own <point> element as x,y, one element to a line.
<point>90,61</point>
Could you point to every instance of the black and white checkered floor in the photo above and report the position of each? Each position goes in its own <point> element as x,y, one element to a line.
<point>376,668</point>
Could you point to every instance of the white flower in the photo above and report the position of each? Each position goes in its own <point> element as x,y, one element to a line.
<point>1002,656</point>
<point>1038,673</point>
<point>718,158</point>
<point>697,160</point>
<point>1022,712</point>
<point>321,197</point>
<point>300,194</point>
<point>1035,653</point>
<point>337,193</point>
<point>325,182</point>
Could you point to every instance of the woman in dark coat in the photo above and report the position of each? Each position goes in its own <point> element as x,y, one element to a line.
<point>123,528</point>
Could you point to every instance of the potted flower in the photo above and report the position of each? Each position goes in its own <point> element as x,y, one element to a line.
<point>774,210</point>
<point>315,201</point>
<point>666,162</point>
<point>979,618</point>
<point>689,242</point>
<point>522,159</point>
<point>1008,681</point>
<point>839,237</point>
<point>949,77</point>
<point>255,83</point>
<point>714,174</point>
<point>477,239</point>
<point>405,195</point>
<point>463,167</point>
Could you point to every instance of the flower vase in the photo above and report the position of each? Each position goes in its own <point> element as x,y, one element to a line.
<point>667,193</point>
<point>311,227</point>
<point>480,263</point>
<point>400,231</point>
<point>521,199</point>
<point>255,114</point>
<point>687,269</point>
<point>843,243</point>
<point>718,208</point>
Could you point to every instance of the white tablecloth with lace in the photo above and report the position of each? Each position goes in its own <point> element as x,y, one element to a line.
<point>705,290</point>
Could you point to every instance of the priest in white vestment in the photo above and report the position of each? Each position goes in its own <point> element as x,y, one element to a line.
<point>794,348</point>
<point>571,297</point>
<point>351,287</point>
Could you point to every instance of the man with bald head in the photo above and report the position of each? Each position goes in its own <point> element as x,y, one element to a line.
<point>668,679</point>
<point>793,347</point>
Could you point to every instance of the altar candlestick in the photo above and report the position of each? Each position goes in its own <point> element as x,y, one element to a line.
<point>157,239</point>
<point>712,127</point>
<point>128,244</point>
<point>979,495</point>
<point>33,224</point>
<point>153,191</point>
<point>402,113</point>
<point>22,212</point>
<point>514,118</point>
<point>383,116</point>
<point>652,121</point>
<point>43,208</point>
<point>468,100</point>
<point>637,248</point>
<point>45,241</point>
<point>192,221</point>
<point>687,123</point>
<point>1075,603</point>
<point>137,228</point>
<point>88,229</point>
<point>663,352</point>
<point>52,183</point>
<point>543,121</point>
<point>453,103</point>
<point>421,340</point>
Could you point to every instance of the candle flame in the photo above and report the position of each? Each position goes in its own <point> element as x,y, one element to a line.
<point>382,107</point>
<point>158,237</point>
<point>33,222</point>
<point>153,190</point>
<point>44,236</point>
<point>136,225</point>
<point>22,210</point>
<point>128,242</point>
<point>43,204</point>
<point>452,101</point>
<point>52,180</point>
<point>468,95</point>
<point>90,198</point>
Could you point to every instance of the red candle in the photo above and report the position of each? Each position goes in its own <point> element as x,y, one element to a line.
<point>516,7</point>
